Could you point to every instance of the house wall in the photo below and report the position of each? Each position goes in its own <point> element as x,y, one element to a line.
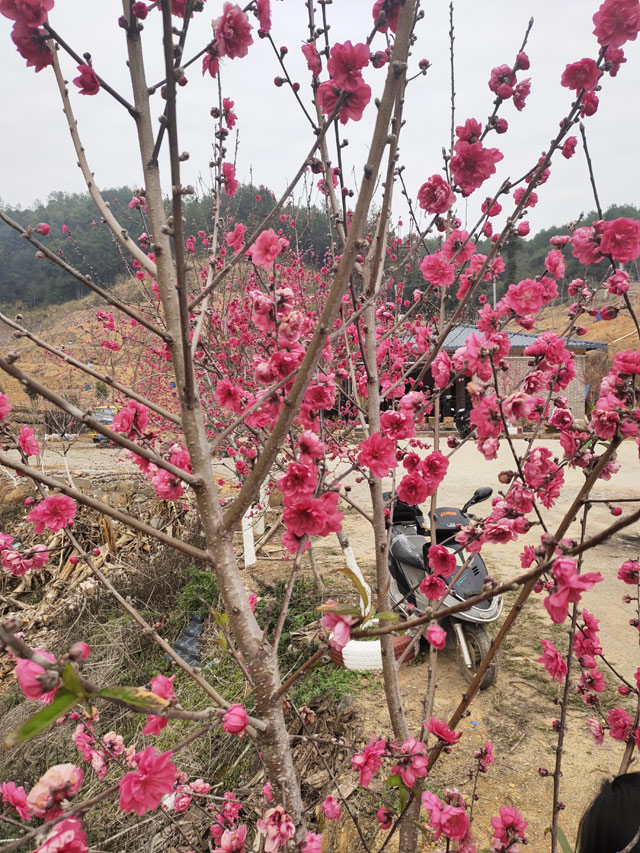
<point>519,366</point>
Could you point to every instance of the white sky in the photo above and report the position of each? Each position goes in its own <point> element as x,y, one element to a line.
<point>274,137</point>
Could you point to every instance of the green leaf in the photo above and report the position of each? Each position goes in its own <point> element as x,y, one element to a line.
<point>222,619</point>
<point>394,781</point>
<point>136,697</point>
<point>387,616</point>
<point>353,577</point>
<point>562,839</point>
<point>62,701</point>
<point>343,610</point>
<point>71,681</point>
<point>403,798</point>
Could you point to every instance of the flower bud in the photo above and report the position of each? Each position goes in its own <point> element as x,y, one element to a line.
<point>79,651</point>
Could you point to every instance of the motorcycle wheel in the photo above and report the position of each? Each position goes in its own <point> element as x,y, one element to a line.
<point>478,643</point>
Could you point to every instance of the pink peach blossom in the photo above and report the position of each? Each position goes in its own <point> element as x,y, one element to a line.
<point>378,454</point>
<point>60,783</point>
<point>27,441</point>
<point>87,81</point>
<point>436,196</point>
<point>553,661</point>
<point>232,31</point>
<point>235,720</point>
<point>442,561</point>
<point>332,808</point>
<point>442,731</point>
<point>414,763</point>
<point>27,673</point>
<point>345,64</point>
<point>437,270</point>
<point>436,636</point>
<point>278,828</point>
<point>339,625</point>
<point>369,761</point>
<point>67,836</point>
<point>16,796</point>
<point>265,249</point>
<point>616,22</point>
<point>142,789</point>
<point>55,513</point>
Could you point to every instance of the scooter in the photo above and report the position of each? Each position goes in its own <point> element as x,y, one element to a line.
<point>408,565</point>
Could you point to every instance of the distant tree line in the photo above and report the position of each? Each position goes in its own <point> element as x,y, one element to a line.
<point>87,243</point>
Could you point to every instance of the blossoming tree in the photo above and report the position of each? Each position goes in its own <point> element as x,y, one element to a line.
<point>306,376</point>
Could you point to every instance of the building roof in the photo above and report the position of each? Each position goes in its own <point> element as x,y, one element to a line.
<point>519,340</point>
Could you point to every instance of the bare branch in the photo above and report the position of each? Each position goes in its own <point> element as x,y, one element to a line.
<point>120,233</point>
<point>340,283</point>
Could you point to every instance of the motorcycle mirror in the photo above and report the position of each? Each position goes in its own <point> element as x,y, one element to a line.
<point>478,496</point>
<point>482,494</point>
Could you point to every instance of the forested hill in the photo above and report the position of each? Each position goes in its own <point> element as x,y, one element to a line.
<point>86,243</point>
<point>525,258</point>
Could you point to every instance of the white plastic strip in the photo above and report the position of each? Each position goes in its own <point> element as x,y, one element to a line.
<point>248,543</point>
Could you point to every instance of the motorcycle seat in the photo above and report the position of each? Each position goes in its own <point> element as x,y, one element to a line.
<point>408,552</point>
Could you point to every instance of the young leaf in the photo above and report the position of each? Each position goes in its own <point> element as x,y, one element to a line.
<point>562,839</point>
<point>387,616</point>
<point>71,681</point>
<point>393,781</point>
<point>353,577</point>
<point>343,609</point>
<point>62,701</point>
<point>403,797</point>
<point>137,697</point>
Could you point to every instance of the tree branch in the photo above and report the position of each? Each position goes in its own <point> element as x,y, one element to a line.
<point>108,297</point>
<point>28,380</point>
<point>352,247</point>
<point>86,368</point>
<point>120,233</point>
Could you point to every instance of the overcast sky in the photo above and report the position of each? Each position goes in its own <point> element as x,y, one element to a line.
<point>273,133</point>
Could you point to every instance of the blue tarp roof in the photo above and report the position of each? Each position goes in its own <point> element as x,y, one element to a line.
<point>519,340</point>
